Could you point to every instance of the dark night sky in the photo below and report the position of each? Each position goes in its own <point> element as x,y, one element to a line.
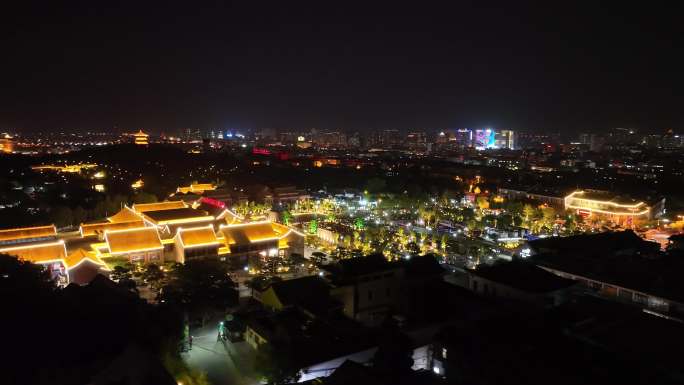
<point>169,65</point>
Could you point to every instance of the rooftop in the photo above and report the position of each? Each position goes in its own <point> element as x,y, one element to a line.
<point>125,215</point>
<point>125,241</point>
<point>88,229</point>
<point>355,267</point>
<point>27,233</point>
<point>594,244</point>
<point>201,236</point>
<point>168,205</point>
<point>606,197</point>
<point>253,232</point>
<point>176,214</point>
<point>311,293</point>
<point>523,276</point>
<point>38,253</point>
<point>617,259</point>
<point>77,257</point>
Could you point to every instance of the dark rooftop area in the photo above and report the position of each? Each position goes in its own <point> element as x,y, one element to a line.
<point>180,213</point>
<point>311,293</point>
<point>523,276</point>
<point>601,244</point>
<point>354,267</point>
<point>615,258</point>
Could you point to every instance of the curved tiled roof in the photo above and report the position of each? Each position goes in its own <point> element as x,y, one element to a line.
<point>77,257</point>
<point>27,232</point>
<point>198,236</point>
<point>168,205</point>
<point>126,241</point>
<point>125,215</point>
<point>38,253</point>
<point>94,228</point>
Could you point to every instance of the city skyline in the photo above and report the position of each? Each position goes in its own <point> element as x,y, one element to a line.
<point>521,67</point>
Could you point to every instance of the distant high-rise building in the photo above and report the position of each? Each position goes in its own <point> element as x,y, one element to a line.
<point>389,138</point>
<point>505,139</point>
<point>464,137</point>
<point>192,134</point>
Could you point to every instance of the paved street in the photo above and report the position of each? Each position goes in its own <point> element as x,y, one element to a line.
<point>224,362</point>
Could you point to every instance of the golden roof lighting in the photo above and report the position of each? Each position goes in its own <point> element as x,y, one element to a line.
<point>197,237</point>
<point>198,188</point>
<point>38,253</point>
<point>167,205</point>
<point>141,138</point>
<point>96,228</point>
<point>133,240</point>
<point>137,184</point>
<point>80,256</point>
<point>125,215</point>
<point>27,233</point>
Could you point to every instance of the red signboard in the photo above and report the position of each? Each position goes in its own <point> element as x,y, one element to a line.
<point>260,151</point>
<point>213,202</point>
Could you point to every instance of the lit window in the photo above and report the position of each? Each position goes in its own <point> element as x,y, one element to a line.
<point>444,353</point>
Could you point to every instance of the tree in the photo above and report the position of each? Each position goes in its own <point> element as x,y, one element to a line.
<point>376,185</point>
<point>313,226</point>
<point>200,287</point>
<point>120,273</point>
<point>548,215</point>
<point>80,215</point>
<point>276,366</point>
<point>528,213</point>
<point>286,217</point>
<point>144,197</point>
<point>19,275</point>
<point>62,216</point>
<point>317,257</point>
<point>482,202</point>
<point>153,274</point>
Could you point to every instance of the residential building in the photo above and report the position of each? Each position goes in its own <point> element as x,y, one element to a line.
<point>521,282</point>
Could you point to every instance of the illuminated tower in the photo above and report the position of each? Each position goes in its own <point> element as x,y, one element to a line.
<point>141,138</point>
<point>6,143</point>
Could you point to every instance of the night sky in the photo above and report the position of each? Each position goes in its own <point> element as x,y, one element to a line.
<point>168,65</point>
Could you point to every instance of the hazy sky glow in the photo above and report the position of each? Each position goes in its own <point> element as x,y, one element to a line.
<point>336,65</point>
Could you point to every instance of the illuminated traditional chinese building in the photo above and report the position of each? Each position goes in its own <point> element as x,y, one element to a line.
<point>613,207</point>
<point>71,168</point>
<point>6,144</point>
<point>137,245</point>
<point>141,138</point>
<point>27,235</point>
<point>78,267</point>
<point>197,188</point>
<point>254,242</point>
<point>199,242</point>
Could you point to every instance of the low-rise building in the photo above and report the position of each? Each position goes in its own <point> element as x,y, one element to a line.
<point>196,243</point>
<point>137,245</point>
<point>250,242</point>
<point>520,281</point>
<point>78,267</point>
<point>616,265</point>
<point>612,206</point>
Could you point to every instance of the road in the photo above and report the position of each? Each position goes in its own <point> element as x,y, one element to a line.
<point>223,362</point>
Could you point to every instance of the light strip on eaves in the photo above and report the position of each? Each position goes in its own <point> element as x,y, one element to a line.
<point>572,196</point>
<point>35,245</point>
<point>187,220</point>
<point>635,214</point>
